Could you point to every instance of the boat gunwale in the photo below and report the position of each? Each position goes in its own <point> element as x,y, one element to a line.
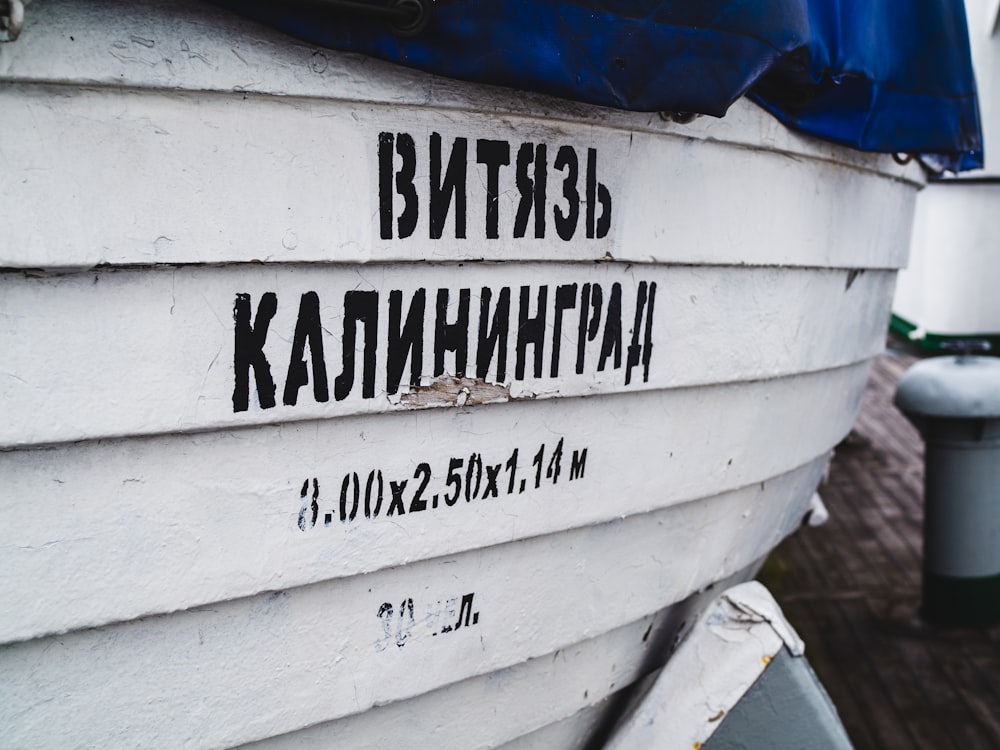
<point>798,145</point>
<point>12,448</point>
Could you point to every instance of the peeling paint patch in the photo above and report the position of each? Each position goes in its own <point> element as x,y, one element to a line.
<point>448,390</point>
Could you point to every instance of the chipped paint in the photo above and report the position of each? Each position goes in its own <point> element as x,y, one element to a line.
<point>448,390</point>
<point>725,653</point>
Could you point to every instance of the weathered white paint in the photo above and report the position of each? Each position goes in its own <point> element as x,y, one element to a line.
<point>571,732</point>
<point>131,528</point>
<point>180,157</point>
<point>300,199</point>
<point>503,707</point>
<point>72,368</point>
<point>164,592</point>
<point>735,639</point>
<point>251,668</point>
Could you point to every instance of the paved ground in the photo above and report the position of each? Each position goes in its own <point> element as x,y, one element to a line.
<point>852,588</point>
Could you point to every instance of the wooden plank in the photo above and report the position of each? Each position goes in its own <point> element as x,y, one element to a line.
<point>923,693</point>
<point>575,681</point>
<point>983,654</point>
<point>889,552</point>
<point>338,648</point>
<point>318,199</point>
<point>323,197</point>
<point>576,731</point>
<point>943,708</point>
<point>986,725</point>
<point>891,702</point>
<point>192,349</point>
<point>861,550</point>
<point>910,524</point>
<point>976,678</point>
<point>841,570</point>
<point>877,717</point>
<point>113,530</point>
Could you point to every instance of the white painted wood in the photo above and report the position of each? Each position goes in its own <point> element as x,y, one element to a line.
<point>494,710</point>
<point>115,530</point>
<point>571,732</point>
<point>112,353</point>
<point>180,157</point>
<point>251,668</point>
<point>729,648</point>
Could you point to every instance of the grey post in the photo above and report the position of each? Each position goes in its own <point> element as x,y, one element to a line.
<point>955,403</point>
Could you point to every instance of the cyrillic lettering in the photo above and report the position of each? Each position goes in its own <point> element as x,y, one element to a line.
<point>591,298</point>
<point>578,464</point>
<point>566,223</point>
<point>307,327</point>
<point>493,337</point>
<point>647,350</point>
<point>451,336</point>
<point>532,190</point>
<point>406,149</point>
<point>385,143</point>
<point>634,348</point>
<point>441,192</point>
<point>531,331</point>
<point>408,340</point>
<point>407,221</point>
<point>565,300</point>
<point>465,609</point>
<point>358,307</point>
<point>612,342</point>
<point>596,193</point>
<point>494,154</point>
<point>604,223</point>
<point>248,351</point>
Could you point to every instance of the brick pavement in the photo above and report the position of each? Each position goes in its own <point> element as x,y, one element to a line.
<point>852,589</point>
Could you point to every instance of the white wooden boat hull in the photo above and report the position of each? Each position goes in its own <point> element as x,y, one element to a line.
<point>223,524</point>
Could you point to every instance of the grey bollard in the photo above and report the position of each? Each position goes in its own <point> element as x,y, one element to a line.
<point>955,403</point>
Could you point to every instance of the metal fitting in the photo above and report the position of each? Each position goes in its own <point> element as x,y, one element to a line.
<point>11,19</point>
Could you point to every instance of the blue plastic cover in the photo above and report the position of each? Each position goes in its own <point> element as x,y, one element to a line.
<point>877,75</point>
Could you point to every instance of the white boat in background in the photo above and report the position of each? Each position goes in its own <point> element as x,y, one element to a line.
<point>343,403</point>
<point>948,291</point>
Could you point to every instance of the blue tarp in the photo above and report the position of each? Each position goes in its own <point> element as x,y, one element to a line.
<point>878,75</point>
